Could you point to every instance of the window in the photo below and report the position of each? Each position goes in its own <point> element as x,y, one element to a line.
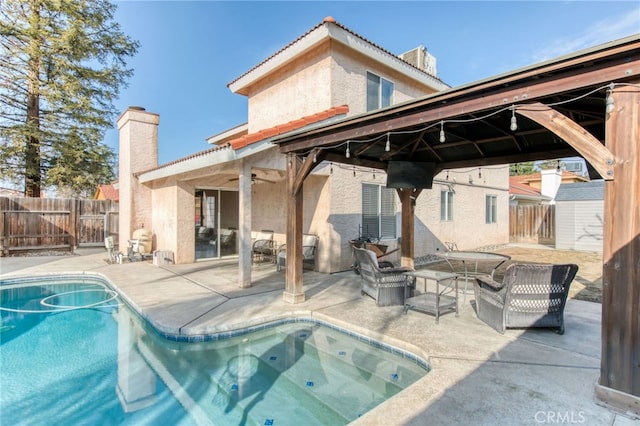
<point>491,209</point>
<point>378,212</point>
<point>379,92</point>
<point>446,205</point>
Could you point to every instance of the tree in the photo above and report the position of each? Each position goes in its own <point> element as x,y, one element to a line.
<point>63,63</point>
<point>550,164</point>
<point>525,168</point>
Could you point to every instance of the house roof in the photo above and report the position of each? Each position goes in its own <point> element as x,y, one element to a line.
<point>473,125</point>
<point>537,177</point>
<point>226,152</point>
<point>517,187</point>
<point>583,191</point>
<point>108,191</point>
<point>329,28</point>
<point>9,192</point>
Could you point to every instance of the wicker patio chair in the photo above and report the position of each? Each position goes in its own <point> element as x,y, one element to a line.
<point>263,247</point>
<point>530,295</point>
<point>386,285</point>
<point>309,247</point>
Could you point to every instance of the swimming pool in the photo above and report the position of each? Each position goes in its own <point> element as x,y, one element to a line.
<point>71,352</point>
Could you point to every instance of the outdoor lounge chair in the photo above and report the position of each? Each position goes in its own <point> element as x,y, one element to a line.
<point>386,285</point>
<point>530,295</point>
<point>263,247</point>
<point>309,247</point>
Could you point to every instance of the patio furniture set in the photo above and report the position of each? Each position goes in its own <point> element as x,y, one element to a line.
<point>529,295</point>
<point>265,249</point>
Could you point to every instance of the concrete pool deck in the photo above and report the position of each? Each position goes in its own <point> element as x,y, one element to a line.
<point>478,376</point>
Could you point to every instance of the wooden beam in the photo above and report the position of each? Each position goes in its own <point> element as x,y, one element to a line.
<point>582,141</point>
<point>619,384</point>
<point>293,292</point>
<point>454,104</point>
<point>307,166</point>
<point>507,159</point>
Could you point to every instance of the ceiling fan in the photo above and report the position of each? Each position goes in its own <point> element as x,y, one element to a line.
<point>254,179</point>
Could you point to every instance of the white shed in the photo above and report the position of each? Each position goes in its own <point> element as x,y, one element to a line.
<point>579,216</point>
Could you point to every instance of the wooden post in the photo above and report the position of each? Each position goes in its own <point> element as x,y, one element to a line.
<point>293,292</point>
<point>408,200</point>
<point>619,384</point>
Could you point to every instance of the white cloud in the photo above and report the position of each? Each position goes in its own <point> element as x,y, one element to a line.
<point>603,31</point>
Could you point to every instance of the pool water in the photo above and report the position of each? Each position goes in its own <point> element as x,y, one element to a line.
<point>73,353</point>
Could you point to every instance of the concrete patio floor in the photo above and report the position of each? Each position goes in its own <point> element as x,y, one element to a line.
<point>478,376</point>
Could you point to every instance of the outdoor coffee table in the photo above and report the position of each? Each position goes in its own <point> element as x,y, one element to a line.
<point>473,258</point>
<point>438,302</point>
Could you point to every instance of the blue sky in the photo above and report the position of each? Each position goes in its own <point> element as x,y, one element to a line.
<point>191,50</point>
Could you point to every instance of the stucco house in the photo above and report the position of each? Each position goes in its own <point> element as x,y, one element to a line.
<point>207,205</point>
<point>540,187</point>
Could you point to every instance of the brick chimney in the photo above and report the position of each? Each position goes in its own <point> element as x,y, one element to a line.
<point>138,151</point>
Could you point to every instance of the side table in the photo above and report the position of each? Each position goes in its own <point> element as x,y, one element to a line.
<point>434,303</point>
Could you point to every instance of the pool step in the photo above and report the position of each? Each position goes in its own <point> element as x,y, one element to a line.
<point>247,389</point>
<point>338,382</point>
<point>361,356</point>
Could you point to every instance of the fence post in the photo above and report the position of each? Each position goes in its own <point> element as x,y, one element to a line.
<point>73,223</point>
<point>3,227</point>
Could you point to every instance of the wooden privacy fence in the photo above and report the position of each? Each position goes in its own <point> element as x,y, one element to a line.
<point>532,224</point>
<point>55,223</point>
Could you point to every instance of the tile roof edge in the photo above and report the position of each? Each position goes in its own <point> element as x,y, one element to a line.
<point>188,157</point>
<point>289,126</point>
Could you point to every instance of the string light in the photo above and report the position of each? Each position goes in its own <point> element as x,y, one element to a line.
<point>315,157</point>
<point>479,173</point>
<point>609,104</point>
<point>514,122</point>
<point>354,171</point>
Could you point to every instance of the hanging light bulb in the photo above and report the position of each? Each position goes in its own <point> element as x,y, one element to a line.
<point>514,122</point>
<point>479,173</point>
<point>315,157</point>
<point>442,138</point>
<point>387,146</point>
<point>354,171</point>
<point>331,169</point>
<point>348,153</point>
<point>447,174</point>
<point>609,104</point>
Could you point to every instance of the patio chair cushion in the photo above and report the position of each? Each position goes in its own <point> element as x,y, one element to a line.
<point>487,281</point>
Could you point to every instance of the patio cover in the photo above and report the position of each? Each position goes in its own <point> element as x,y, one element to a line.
<point>585,104</point>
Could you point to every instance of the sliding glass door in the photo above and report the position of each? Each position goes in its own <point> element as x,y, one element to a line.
<point>216,223</point>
